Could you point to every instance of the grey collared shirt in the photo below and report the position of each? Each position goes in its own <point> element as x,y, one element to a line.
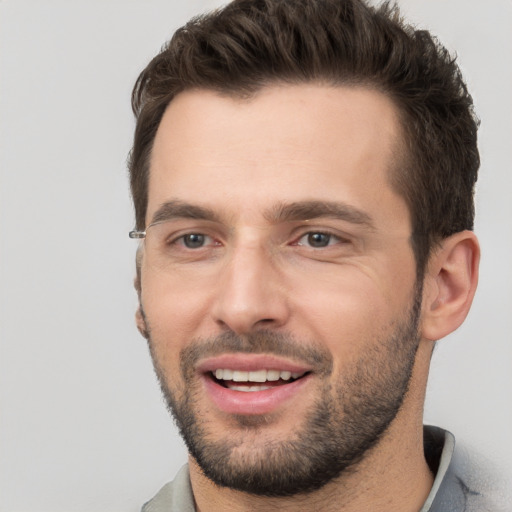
<point>449,492</point>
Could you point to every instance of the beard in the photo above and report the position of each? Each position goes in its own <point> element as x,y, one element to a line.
<point>349,416</point>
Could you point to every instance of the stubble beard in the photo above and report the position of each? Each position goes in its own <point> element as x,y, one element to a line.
<point>347,420</point>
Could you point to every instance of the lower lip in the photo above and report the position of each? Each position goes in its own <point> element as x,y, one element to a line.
<point>252,402</point>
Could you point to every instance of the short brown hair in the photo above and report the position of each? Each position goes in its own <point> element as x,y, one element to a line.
<point>250,44</point>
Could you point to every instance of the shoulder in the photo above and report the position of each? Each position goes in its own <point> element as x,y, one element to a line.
<point>468,481</point>
<point>175,496</point>
<point>484,487</point>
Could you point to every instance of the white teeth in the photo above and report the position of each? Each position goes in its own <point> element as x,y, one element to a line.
<point>239,376</point>
<point>259,376</point>
<point>273,375</point>
<point>255,376</point>
<point>234,387</point>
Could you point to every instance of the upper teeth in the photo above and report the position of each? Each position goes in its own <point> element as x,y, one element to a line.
<point>256,376</point>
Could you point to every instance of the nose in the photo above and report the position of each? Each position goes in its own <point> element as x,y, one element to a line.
<point>250,293</point>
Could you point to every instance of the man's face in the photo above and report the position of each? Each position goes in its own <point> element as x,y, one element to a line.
<point>279,254</point>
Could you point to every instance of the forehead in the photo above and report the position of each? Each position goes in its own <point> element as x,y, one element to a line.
<point>284,144</point>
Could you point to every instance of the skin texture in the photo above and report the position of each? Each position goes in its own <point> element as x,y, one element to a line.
<point>254,176</point>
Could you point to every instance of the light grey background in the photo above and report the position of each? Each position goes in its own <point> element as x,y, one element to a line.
<point>82,425</point>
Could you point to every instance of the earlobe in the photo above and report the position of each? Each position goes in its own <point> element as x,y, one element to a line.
<point>141,322</point>
<point>450,284</point>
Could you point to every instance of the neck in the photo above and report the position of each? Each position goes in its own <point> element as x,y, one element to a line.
<point>393,475</point>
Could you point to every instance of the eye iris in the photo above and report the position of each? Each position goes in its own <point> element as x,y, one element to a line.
<point>193,241</point>
<point>318,239</point>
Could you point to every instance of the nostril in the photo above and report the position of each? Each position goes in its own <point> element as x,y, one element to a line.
<point>265,323</point>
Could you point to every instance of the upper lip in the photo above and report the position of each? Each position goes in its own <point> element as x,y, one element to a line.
<point>250,362</point>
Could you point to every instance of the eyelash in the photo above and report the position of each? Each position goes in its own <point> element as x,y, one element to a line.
<point>331,237</point>
<point>181,240</point>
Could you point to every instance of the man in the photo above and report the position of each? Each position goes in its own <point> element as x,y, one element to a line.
<point>303,175</point>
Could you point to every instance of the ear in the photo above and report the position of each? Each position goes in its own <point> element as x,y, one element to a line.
<point>449,285</point>
<point>140,320</point>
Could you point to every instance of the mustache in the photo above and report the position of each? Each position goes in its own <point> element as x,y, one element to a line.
<point>259,342</point>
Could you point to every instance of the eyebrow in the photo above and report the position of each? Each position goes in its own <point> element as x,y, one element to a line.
<point>308,210</point>
<point>176,209</point>
<point>282,212</point>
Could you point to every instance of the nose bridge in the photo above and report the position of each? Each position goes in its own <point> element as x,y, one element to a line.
<point>249,290</point>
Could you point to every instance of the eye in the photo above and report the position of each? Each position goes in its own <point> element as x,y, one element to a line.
<point>195,240</point>
<point>318,239</point>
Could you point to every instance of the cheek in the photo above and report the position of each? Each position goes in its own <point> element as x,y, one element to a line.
<point>343,319</point>
<point>172,306</point>
<point>352,310</point>
<point>171,315</point>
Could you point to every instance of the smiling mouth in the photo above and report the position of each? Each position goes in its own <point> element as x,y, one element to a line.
<point>251,381</point>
